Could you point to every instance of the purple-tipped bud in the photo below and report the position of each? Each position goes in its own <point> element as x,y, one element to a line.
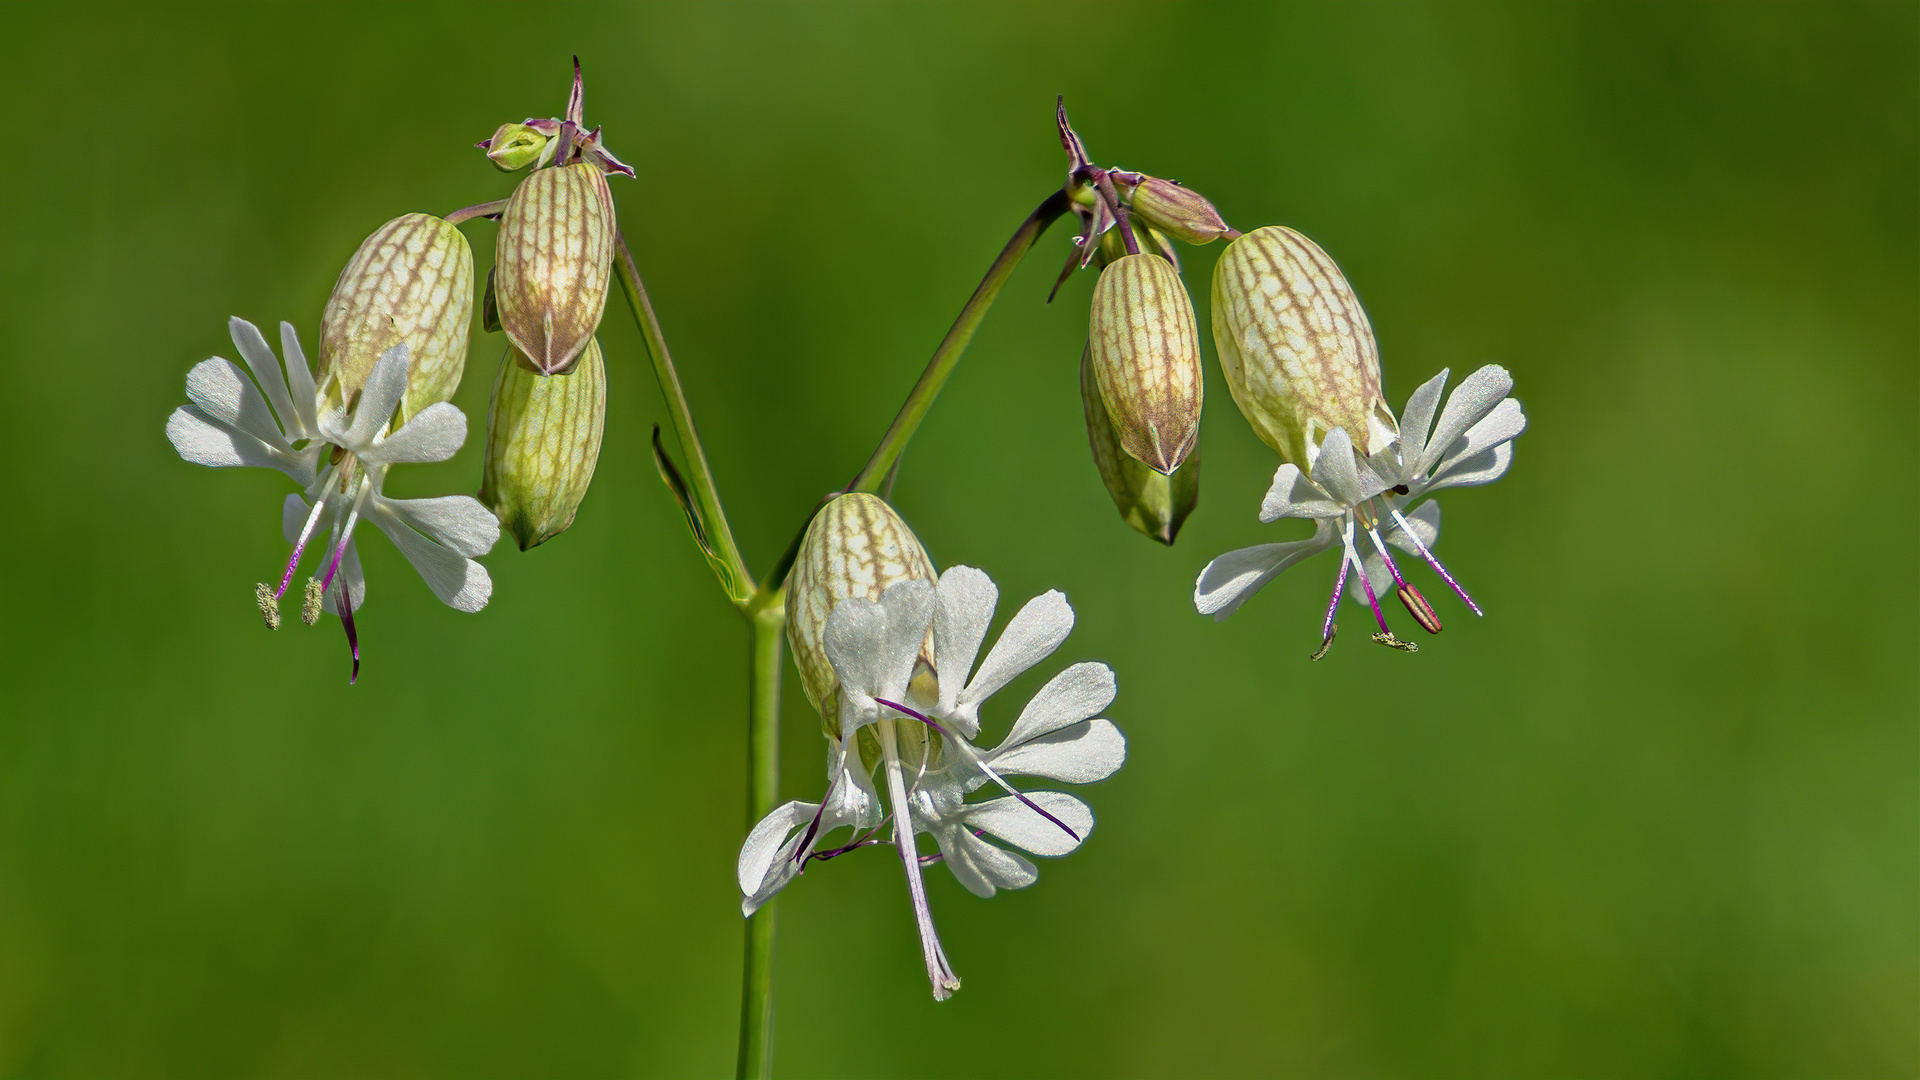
<point>554,263</point>
<point>1154,504</point>
<point>1180,212</point>
<point>1146,359</point>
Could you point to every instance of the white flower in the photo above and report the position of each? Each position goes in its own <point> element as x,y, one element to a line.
<point>915,724</point>
<point>341,461</point>
<point>1351,495</point>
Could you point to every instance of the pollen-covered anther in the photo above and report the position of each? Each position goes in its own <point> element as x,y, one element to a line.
<point>1385,637</point>
<point>269,602</point>
<point>310,602</point>
<point>1418,607</point>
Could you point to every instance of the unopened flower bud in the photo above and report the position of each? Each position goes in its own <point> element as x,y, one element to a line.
<point>515,146</point>
<point>410,283</point>
<point>543,440</point>
<point>1146,359</point>
<point>1153,503</point>
<point>855,548</point>
<point>1178,211</point>
<point>1296,348</point>
<point>554,261</point>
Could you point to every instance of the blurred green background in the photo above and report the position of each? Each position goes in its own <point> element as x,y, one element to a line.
<point>1655,815</point>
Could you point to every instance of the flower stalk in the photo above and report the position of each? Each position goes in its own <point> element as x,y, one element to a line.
<point>947,355</point>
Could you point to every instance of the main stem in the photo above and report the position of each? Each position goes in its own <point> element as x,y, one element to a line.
<point>768,613</point>
<point>955,343</point>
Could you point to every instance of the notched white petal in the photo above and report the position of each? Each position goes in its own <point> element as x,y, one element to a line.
<point>966,599</point>
<point>266,372</point>
<point>1294,496</point>
<point>458,581</point>
<point>225,394</point>
<point>1466,406</point>
<point>1081,691</point>
<point>1416,421</point>
<point>1079,754</point>
<point>1229,580</point>
<point>204,441</point>
<point>757,854</point>
<point>982,867</point>
<point>457,522</point>
<point>1016,823</point>
<point>432,434</point>
<point>1035,631</point>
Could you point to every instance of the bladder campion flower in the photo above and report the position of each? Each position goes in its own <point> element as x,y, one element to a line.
<point>340,460</point>
<point>1351,495</point>
<point>914,722</point>
<point>1303,366</point>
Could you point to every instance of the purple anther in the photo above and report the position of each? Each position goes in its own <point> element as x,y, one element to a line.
<point>1418,607</point>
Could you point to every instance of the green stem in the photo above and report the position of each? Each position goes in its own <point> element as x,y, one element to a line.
<point>955,343</point>
<point>769,616</point>
<point>706,498</point>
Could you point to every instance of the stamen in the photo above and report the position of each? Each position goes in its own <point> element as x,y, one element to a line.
<point>269,602</point>
<point>979,763</point>
<point>346,532</point>
<point>300,545</point>
<point>310,605</point>
<point>1326,642</point>
<point>939,972</point>
<point>1360,571</point>
<point>1327,627</point>
<point>1385,637</point>
<point>1407,528</point>
<point>1418,607</point>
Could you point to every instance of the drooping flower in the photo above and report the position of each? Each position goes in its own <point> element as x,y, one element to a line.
<point>915,723</point>
<point>1357,501</point>
<point>340,460</point>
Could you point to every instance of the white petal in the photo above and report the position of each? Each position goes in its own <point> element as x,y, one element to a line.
<point>1029,638</point>
<point>1080,754</point>
<point>1229,580</point>
<point>981,867</point>
<point>432,434</point>
<point>1017,823</point>
<point>204,441</point>
<point>266,372</point>
<point>1416,421</point>
<point>385,385</point>
<point>1466,406</point>
<point>1294,496</point>
<point>1340,473</point>
<point>226,396</point>
<point>1469,457</point>
<point>299,381</point>
<point>757,854</point>
<point>457,522</point>
<point>872,646</point>
<point>1482,468</point>
<point>1081,691</point>
<point>458,581</point>
<point>966,599</point>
